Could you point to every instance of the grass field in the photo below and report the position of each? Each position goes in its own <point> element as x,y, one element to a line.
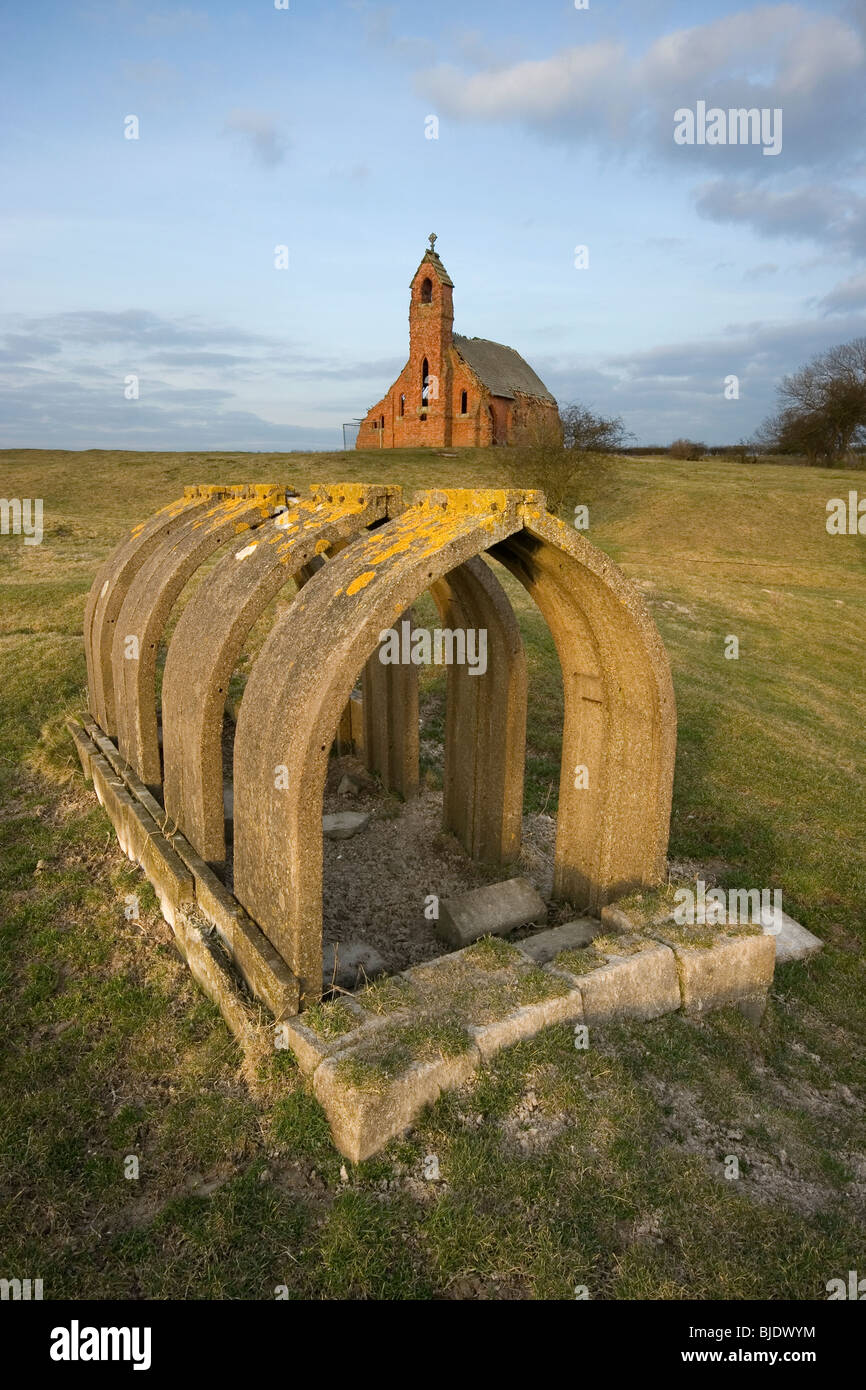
<point>558,1167</point>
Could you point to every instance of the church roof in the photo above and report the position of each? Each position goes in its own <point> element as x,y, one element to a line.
<point>432,259</point>
<point>501,369</point>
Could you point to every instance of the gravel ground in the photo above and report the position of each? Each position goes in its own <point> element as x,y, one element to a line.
<point>376,883</point>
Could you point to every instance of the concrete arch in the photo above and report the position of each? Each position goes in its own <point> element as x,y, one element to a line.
<point>110,588</point>
<point>209,637</point>
<point>145,612</point>
<point>485,719</point>
<point>619,712</point>
<point>297,689</point>
<point>487,714</point>
<point>619,705</point>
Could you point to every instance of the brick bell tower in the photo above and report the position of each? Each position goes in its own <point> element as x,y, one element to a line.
<point>431,318</point>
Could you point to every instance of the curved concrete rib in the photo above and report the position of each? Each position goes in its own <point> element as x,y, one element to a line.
<point>485,718</point>
<point>298,687</point>
<point>145,612</point>
<point>619,711</point>
<point>390,705</point>
<point>110,588</point>
<point>209,638</point>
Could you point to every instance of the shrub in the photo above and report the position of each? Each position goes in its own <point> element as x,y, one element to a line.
<point>687,449</point>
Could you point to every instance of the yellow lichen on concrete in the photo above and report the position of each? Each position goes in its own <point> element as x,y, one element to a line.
<point>360,583</point>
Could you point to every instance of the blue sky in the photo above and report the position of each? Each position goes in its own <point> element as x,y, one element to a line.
<point>305,127</point>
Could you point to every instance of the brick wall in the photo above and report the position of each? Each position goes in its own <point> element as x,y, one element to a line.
<point>402,420</point>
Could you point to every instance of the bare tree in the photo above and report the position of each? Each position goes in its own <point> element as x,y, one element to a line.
<point>744,451</point>
<point>687,449</point>
<point>550,453</point>
<point>822,407</point>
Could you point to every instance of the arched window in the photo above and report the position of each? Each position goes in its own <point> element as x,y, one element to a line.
<point>381,422</point>
<point>464,402</point>
<point>425,384</point>
<point>402,406</point>
<point>427,291</point>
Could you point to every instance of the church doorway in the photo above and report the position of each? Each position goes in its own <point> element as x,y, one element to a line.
<point>497,424</point>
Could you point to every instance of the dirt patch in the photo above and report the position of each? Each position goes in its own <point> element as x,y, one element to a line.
<point>536,1120</point>
<point>377,885</point>
<point>769,1177</point>
<point>530,1127</point>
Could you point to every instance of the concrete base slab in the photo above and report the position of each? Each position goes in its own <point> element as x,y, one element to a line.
<point>570,936</point>
<point>526,1021</point>
<point>794,941</point>
<point>364,1118</point>
<point>729,969</point>
<point>623,977</point>
<point>494,910</point>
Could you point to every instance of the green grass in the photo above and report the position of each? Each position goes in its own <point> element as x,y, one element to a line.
<point>491,952</point>
<point>107,1049</point>
<point>330,1020</point>
<point>399,1045</point>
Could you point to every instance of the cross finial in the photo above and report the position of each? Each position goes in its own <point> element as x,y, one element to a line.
<point>432,246</point>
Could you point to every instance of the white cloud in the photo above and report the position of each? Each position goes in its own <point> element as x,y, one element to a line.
<point>773,55</point>
<point>811,65</point>
<point>576,80</point>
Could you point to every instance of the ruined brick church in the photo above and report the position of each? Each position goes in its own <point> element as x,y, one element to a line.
<point>453,391</point>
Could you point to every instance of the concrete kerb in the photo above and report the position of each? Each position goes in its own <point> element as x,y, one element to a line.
<point>311,1048</point>
<point>83,747</point>
<point>735,969</point>
<point>262,969</point>
<point>211,956</point>
<point>480,987</point>
<point>362,1123</point>
<point>639,976</point>
<point>142,841</point>
<point>246,1019</point>
<point>720,965</point>
<point>635,979</point>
